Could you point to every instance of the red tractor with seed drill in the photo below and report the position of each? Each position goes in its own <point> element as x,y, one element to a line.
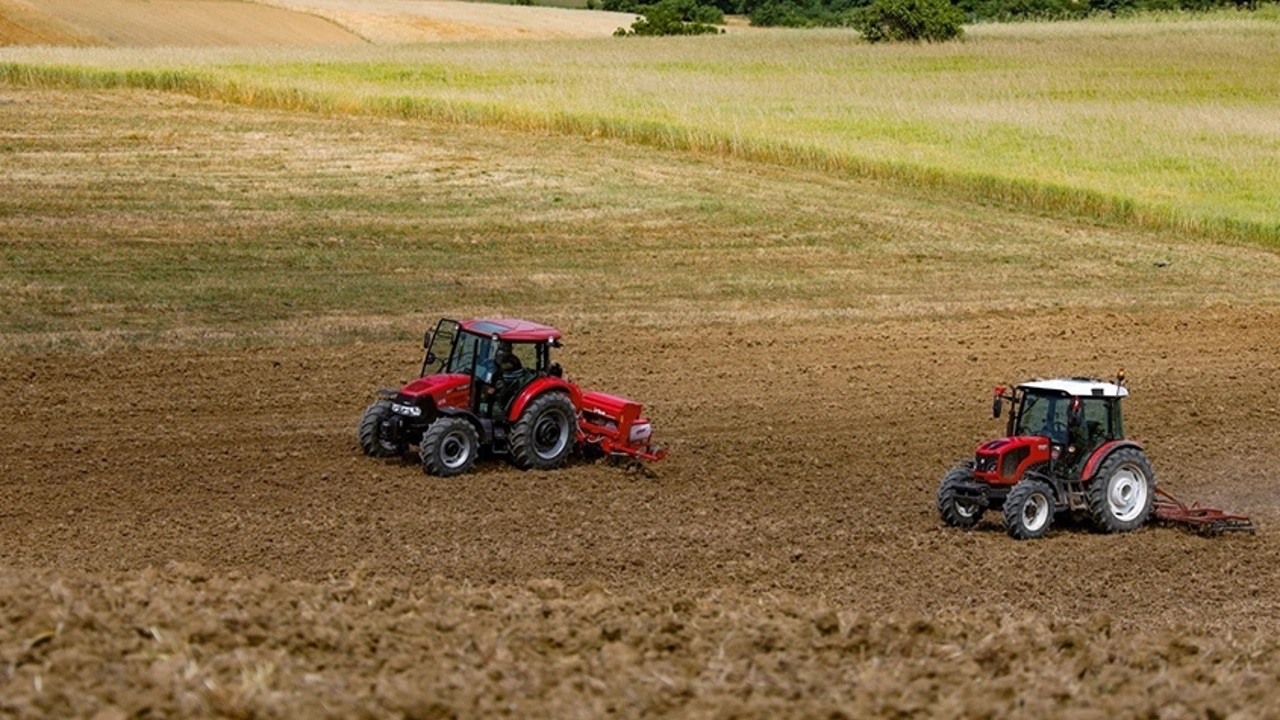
<point>490,384</point>
<point>1065,450</point>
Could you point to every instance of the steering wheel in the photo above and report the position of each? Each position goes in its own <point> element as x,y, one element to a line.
<point>1056,429</point>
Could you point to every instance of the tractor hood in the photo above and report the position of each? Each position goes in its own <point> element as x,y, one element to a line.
<point>1002,461</point>
<point>999,446</point>
<point>436,386</point>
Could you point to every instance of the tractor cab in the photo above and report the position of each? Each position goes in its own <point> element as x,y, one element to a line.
<point>498,358</point>
<point>1076,415</point>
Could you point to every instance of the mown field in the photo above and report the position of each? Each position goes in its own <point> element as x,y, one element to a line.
<point>198,298</point>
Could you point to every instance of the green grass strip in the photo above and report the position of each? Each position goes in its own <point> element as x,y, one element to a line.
<point>1036,196</point>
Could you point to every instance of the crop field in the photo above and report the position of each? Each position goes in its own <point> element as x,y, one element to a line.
<point>208,266</point>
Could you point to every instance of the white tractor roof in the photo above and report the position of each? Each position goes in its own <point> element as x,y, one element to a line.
<point>1078,387</point>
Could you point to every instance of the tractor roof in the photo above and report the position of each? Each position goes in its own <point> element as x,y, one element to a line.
<point>1082,387</point>
<point>511,329</point>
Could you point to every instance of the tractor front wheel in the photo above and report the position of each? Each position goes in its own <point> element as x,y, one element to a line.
<point>1028,510</point>
<point>1121,494</point>
<point>958,509</point>
<point>449,447</point>
<point>369,432</point>
<point>545,434</point>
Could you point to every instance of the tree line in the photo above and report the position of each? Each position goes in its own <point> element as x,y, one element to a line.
<point>932,20</point>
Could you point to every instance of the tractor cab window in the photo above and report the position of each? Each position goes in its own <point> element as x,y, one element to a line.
<point>441,347</point>
<point>469,353</point>
<point>1097,425</point>
<point>526,355</point>
<point>1044,414</point>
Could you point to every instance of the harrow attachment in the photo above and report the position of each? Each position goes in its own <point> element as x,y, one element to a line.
<point>1204,520</point>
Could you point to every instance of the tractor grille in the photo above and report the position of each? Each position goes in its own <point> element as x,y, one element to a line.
<point>985,463</point>
<point>1013,459</point>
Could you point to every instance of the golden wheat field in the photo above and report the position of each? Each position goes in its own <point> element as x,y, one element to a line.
<point>221,23</point>
<point>199,297</point>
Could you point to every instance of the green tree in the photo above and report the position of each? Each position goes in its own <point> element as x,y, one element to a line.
<point>675,17</point>
<point>1006,10</point>
<point>803,13</point>
<point>910,20</point>
<point>1113,7</point>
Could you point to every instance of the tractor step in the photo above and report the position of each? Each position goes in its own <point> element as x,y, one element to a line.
<point>1205,520</point>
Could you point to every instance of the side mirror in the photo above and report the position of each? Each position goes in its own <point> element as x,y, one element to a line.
<point>429,359</point>
<point>426,340</point>
<point>996,406</point>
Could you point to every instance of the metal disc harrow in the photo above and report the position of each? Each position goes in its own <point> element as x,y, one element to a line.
<point>1204,520</point>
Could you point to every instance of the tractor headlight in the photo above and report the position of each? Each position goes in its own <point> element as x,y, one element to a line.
<point>409,410</point>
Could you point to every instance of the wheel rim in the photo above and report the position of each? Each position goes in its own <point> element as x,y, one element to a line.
<point>455,450</point>
<point>1035,512</point>
<point>966,508</point>
<point>550,434</point>
<point>1127,493</point>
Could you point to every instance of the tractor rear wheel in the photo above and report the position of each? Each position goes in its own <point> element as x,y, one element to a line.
<point>1028,510</point>
<point>545,434</point>
<point>958,509</point>
<point>1121,494</point>
<point>369,432</point>
<point>449,447</point>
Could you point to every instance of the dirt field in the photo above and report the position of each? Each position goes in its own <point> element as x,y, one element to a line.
<point>193,23</point>
<point>181,530</point>
<point>193,532</point>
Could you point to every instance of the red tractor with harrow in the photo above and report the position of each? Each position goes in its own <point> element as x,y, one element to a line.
<point>1065,450</point>
<point>490,385</point>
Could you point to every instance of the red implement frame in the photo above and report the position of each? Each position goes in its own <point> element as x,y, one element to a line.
<point>1208,521</point>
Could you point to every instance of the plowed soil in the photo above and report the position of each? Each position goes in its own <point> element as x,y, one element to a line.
<point>190,531</point>
<point>181,529</point>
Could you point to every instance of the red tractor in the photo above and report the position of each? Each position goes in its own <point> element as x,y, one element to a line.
<point>1065,451</point>
<point>491,384</point>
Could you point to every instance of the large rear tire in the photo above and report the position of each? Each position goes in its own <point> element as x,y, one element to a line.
<point>957,509</point>
<point>1028,510</point>
<point>369,432</point>
<point>449,447</point>
<point>1121,494</point>
<point>545,434</point>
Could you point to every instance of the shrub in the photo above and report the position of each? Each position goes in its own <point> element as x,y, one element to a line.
<point>675,17</point>
<point>913,20</point>
<point>1005,10</point>
<point>803,13</point>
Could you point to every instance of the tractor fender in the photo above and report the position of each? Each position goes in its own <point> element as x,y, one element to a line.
<point>539,386</point>
<point>1095,460</point>
<point>465,414</point>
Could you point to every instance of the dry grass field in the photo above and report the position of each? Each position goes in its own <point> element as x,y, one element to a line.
<point>198,298</point>
<point>326,23</point>
<point>410,21</point>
